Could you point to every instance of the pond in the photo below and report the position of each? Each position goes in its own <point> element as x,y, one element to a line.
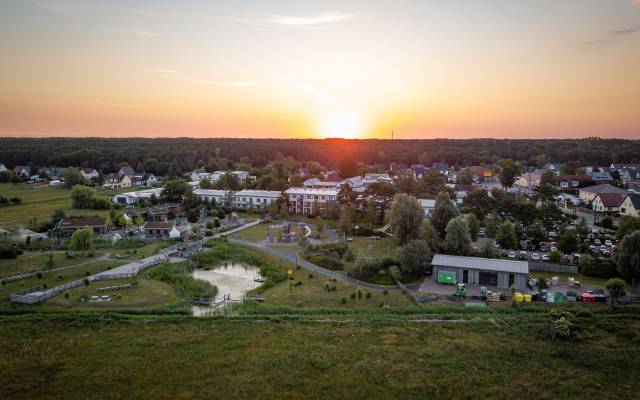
<point>232,281</point>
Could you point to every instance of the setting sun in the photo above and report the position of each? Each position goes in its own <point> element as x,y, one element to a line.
<point>342,124</point>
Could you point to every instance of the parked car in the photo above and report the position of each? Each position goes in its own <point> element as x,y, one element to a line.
<point>553,234</point>
<point>481,233</point>
<point>597,242</point>
<point>512,254</point>
<point>545,257</point>
<point>608,243</point>
<point>553,248</point>
<point>535,257</point>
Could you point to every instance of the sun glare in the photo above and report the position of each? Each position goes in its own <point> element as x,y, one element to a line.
<point>343,125</point>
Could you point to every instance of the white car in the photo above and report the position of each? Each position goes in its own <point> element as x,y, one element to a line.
<point>553,248</point>
<point>608,242</point>
<point>535,257</point>
<point>597,242</point>
<point>545,257</point>
<point>512,254</point>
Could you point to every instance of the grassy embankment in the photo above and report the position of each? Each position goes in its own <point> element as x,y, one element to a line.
<point>499,355</point>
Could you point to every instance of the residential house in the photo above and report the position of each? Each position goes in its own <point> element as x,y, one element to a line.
<point>376,178</point>
<point>573,182</point>
<point>443,168</point>
<point>427,205</point>
<point>356,183</point>
<point>254,199</point>
<point>555,167</point>
<point>214,196</point>
<point>600,176</point>
<point>160,213</point>
<point>529,180</point>
<point>53,173</point>
<point>396,167</point>
<point>144,180</point>
<point>317,183</point>
<point>484,175</point>
<point>608,203</point>
<point>166,229</point>
<point>67,226</point>
<point>631,205</point>
<point>89,173</point>
<point>461,191</point>
<point>116,181</point>
<point>330,175</point>
<point>241,175</point>
<point>199,174</point>
<point>306,200</point>
<point>127,170</point>
<point>131,198</point>
<point>634,185</point>
<point>22,170</point>
<point>588,194</point>
<point>419,171</point>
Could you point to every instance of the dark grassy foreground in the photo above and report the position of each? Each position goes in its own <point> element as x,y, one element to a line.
<point>371,355</point>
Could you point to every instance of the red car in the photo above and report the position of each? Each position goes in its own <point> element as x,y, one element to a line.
<point>587,297</point>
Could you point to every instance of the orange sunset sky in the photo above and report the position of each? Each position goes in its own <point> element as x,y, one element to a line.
<point>424,69</point>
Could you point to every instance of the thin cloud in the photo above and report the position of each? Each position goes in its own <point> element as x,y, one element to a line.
<point>319,19</point>
<point>118,105</point>
<point>176,75</point>
<point>613,34</point>
<point>141,33</point>
<point>315,91</point>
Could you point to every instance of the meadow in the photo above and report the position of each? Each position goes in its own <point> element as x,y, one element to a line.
<point>376,356</point>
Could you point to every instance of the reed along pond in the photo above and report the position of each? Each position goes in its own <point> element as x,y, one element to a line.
<point>232,281</point>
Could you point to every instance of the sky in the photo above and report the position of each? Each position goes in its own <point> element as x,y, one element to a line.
<point>316,69</point>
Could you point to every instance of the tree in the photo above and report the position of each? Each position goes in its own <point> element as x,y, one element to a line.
<point>443,212</point>
<point>627,257</point>
<point>347,167</point>
<point>82,240</point>
<point>509,170</point>
<point>405,218</point>
<point>568,241</point>
<point>546,190</point>
<point>627,225</point>
<point>477,202</point>
<point>228,181</point>
<point>72,177</point>
<point>474,226</point>
<point>506,235</point>
<point>458,240</point>
<point>465,177</point>
<point>429,234</point>
<point>536,232</point>
<point>492,223</point>
<point>414,257</point>
<point>370,213</point>
<point>347,219</point>
<point>123,221</point>
<point>173,191</point>
<point>582,229</point>
<point>616,288</point>
<point>346,196</point>
<point>569,168</point>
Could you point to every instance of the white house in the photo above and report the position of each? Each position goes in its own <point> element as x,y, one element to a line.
<point>377,178</point>
<point>213,196</point>
<point>256,199</point>
<point>131,198</point>
<point>89,173</point>
<point>305,200</point>
<point>427,205</point>
<point>631,205</point>
<point>199,174</point>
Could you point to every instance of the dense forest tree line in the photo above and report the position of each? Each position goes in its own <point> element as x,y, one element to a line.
<point>183,154</point>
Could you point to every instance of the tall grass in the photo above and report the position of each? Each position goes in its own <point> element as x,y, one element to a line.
<point>178,275</point>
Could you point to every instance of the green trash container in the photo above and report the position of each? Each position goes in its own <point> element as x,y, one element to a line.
<point>447,277</point>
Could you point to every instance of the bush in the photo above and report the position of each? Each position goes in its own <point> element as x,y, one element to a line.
<point>8,251</point>
<point>364,269</point>
<point>368,295</point>
<point>353,296</point>
<point>597,267</point>
<point>344,300</point>
<point>584,314</point>
<point>326,262</point>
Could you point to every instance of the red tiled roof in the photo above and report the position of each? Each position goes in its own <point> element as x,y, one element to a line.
<point>611,199</point>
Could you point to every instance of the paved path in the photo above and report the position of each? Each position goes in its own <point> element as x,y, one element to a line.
<point>293,257</point>
<point>237,229</point>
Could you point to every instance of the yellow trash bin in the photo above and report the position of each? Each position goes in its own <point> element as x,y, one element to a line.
<point>527,298</point>
<point>519,297</point>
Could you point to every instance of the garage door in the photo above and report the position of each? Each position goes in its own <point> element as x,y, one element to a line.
<point>488,278</point>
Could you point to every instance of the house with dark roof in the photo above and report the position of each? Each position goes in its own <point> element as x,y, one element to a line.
<point>573,182</point>
<point>443,168</point>
<point>419,171</point>
<point>555,167</point>
<point>22,170</point>
<point>116,181</point>
<point>127,170</point>
<point>600,176</point>
<point>608,203</point>
<point>588,194</point>
<point>67,226</point>
<point>631,205</point>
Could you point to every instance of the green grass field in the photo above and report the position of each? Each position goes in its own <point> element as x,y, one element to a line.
<point>88,356</point>
<point>365,247</point>
<point>40,202</point>
<point>36,261</point>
